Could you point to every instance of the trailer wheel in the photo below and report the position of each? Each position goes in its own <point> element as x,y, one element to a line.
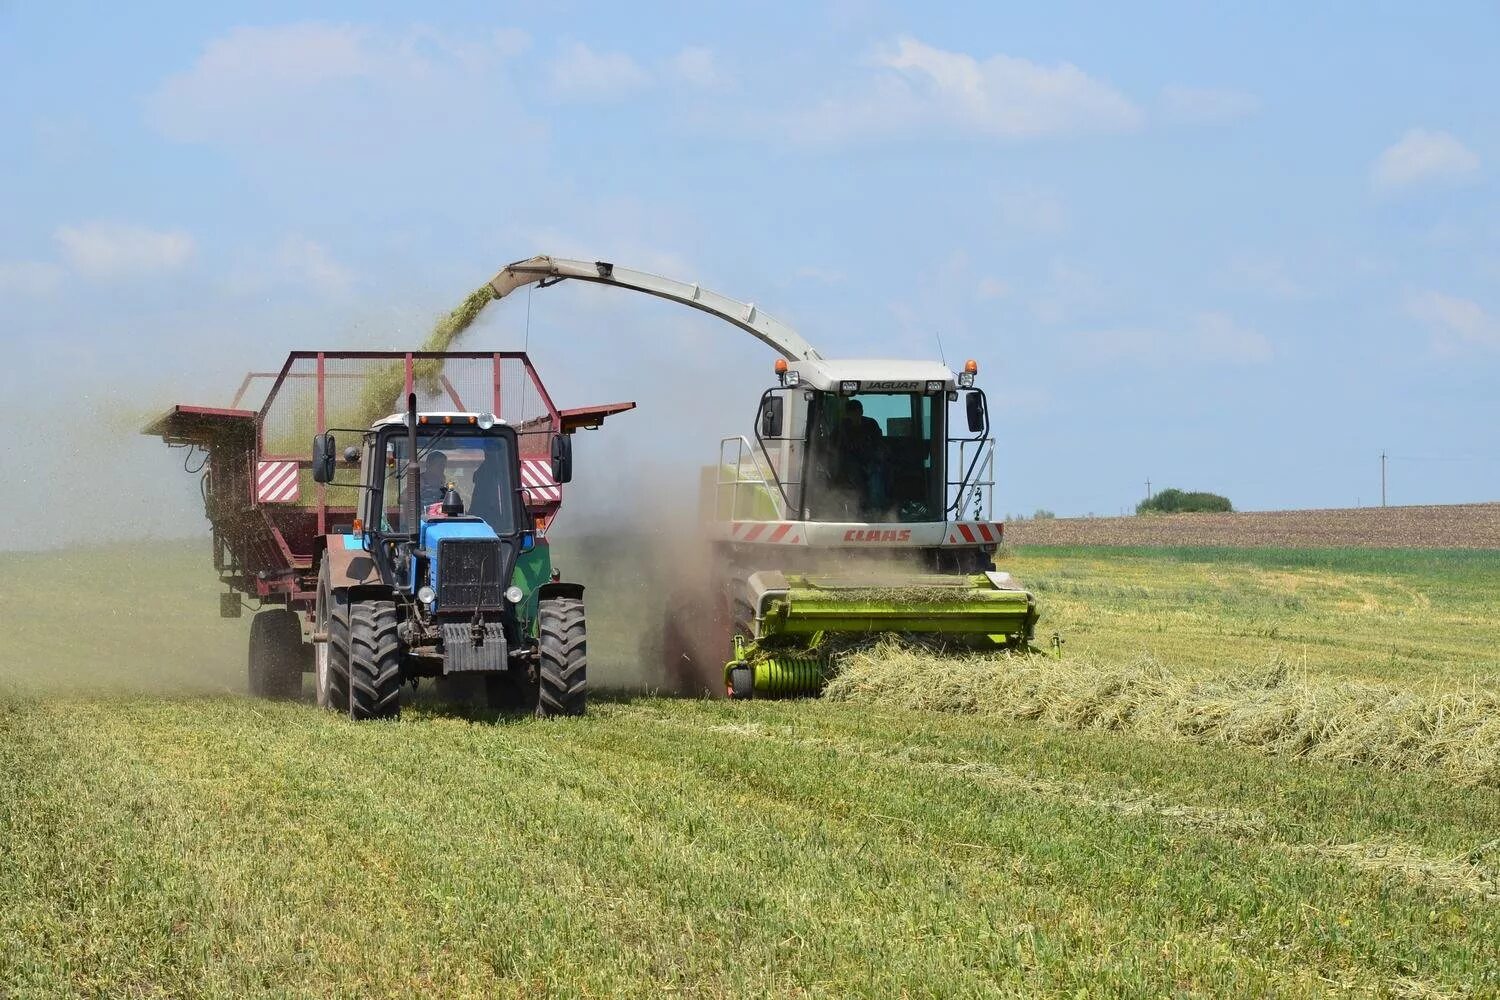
<point>563,663</point>
<point>276,655</point>
<point>374,661</point>
<point>331,658</point>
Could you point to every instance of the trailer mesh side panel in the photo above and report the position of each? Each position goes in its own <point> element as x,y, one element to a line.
<point>469,574</point>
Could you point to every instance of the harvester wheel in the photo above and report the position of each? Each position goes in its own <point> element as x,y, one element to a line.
<point>741,683</point>
<point>276,655</point>
<point>563,664</point>
<point>374,661</point>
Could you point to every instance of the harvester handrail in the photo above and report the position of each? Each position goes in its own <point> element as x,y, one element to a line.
<point>543,271</point>
<point>743,445</point>
<point>983,476</point>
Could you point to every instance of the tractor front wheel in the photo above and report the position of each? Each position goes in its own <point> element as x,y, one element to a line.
<point>371,651</point>
<point>276,655</point>
<point>562,687</point>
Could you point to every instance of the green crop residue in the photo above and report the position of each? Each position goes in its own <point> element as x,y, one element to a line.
<point>382,392</point>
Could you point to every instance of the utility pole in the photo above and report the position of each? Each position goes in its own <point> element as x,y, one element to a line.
<point>1382,479</point>
<point>1148,489</point>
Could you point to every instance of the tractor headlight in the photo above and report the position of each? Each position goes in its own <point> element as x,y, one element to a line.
<point>426,595</point>
<point>486,421</point>
<point>849,387</point>
<point>514,595</point>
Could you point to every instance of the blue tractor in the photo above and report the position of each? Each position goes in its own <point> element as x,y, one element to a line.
<point>442,574</point>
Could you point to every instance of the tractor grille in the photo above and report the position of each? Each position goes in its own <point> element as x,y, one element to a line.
<point>468,572</point>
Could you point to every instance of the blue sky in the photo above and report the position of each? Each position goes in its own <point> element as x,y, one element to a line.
<point>1238,250</point>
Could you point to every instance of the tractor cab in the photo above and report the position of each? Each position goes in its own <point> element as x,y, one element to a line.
<point>871,442</point>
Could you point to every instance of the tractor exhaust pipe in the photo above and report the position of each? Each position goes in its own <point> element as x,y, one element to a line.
<point>414,469</point>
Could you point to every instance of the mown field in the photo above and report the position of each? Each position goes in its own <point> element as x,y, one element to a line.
<point>164,836</point>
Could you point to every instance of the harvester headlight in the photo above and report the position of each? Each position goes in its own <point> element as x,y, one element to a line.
<point>486,421</point>
<point>966,380</point>
<point>426,595</point>
<point>791,379</point>
<point>514,595</point>
<point>849,387</point>
<point>934,387</point>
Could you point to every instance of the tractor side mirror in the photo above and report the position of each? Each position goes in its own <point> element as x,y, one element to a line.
<point>562,458</point>
<point>325,452</point>
<point>772,409</point>
<point>974,404</point>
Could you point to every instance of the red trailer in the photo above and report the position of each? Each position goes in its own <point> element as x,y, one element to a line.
<point>270,520</point>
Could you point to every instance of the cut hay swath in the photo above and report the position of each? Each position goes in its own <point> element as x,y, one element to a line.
<point>383,389</point>
<point>1275,710</point>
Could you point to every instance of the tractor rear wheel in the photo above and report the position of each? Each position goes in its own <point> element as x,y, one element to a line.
<point>374,661</point>
<point>276,655</point>
<point>331,657</point>
<point>563,662</point>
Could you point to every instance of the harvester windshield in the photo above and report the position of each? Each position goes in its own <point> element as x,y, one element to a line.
<point>875,457</point>
<point>479,464</point>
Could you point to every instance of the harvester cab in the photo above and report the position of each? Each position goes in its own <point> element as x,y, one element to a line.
<point>859,507</point>
<point>421,551</point>
<point>861,504</point>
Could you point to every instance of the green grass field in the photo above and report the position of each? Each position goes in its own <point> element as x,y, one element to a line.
<point>164,836</point>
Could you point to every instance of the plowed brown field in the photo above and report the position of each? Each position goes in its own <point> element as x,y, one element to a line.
<point>1451,526</point>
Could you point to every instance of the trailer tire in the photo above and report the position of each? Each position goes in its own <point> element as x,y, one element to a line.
<point>276,655</point>
<point>562,687</point>
<point>374,661</point>
<point>331,657</point>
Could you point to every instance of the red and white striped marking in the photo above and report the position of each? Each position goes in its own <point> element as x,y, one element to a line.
<point>536,477</point>
<point>975,533</point>
<point>277,482</point>
<point>766,532</point>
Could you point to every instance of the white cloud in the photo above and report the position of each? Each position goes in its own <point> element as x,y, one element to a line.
<point>920,89</point>
<point>992,288</point>
<point>581,74</point>
<point>319,86</point>
<point>29,277</point>
<point>1206,106</point>
<point>311,260</point>
<point>1265,274</point>
<point>697,66</point>
<point>1422,156</point>
<point>116,250</point>
<point>296,262</point>
<point>1033,212</point>
<point>1454,323</point>
<point>1211,337</point>
<point>822,275</point>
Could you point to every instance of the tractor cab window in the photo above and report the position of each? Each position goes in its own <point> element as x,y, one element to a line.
<point>875,457</point>
<point>480,467</point>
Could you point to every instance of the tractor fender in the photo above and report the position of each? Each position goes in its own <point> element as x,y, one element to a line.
<point>349,567</point>
<point>557,589</point>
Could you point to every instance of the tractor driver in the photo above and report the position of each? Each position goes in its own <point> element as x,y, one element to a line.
<point>434,478</point>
